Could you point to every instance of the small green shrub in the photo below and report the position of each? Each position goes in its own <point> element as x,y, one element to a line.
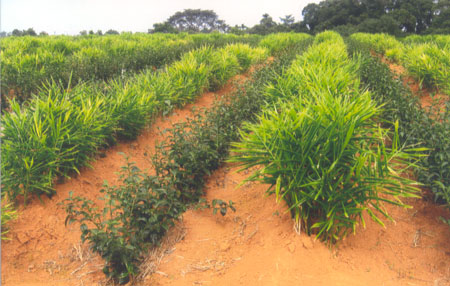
<point>136,214</point>
<point>222,206</point>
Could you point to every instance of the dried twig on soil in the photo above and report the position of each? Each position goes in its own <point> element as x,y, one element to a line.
<point>417,238</point>
<point>155,256</point>
<point>162,273</point>
<point>253,233</point>
<point>242,225</point>
<point>79,268</point>
<point>78,251</point>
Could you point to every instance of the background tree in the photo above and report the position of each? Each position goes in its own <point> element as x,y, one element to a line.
<point>441,18</point>
<point>288,20</point>
<point>388,16</point>
<point>111,32</point>
<point>286,23</point>
<point>162,28</point>
<point>239,29</point>
<point>17,33</point>
<point>29,32</point>
<point>196,21</point>
<point>266,26</point>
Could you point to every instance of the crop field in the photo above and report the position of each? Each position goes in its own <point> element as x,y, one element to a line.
<point>29,61</point>
<point>326,126</point>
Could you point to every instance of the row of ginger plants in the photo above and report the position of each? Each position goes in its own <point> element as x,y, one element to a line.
<point>129,102</point>
<point>27,62</point>
<point>426,58</point>
<point>60,130</point>
<point>425,127</point>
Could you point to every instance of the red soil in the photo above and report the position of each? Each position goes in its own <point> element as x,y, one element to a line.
<point>254,246</point>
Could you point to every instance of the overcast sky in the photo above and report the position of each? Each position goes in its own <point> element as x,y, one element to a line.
<point>73,16</point>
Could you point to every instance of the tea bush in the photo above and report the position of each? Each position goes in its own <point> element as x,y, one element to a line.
<point>136,214</point>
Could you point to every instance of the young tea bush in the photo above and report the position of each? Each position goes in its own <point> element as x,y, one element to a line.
<point>136,214</point>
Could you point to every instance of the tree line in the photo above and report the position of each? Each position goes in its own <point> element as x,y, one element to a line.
<point>396,17</point>
<point>32,32</point>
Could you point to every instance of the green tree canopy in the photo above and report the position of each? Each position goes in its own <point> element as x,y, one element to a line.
<point>389,16</point>
<point>196,21</point>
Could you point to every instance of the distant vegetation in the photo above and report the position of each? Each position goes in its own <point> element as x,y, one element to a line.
<point>395,17</point>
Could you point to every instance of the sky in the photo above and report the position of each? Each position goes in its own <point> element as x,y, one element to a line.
<point>72,16</point>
